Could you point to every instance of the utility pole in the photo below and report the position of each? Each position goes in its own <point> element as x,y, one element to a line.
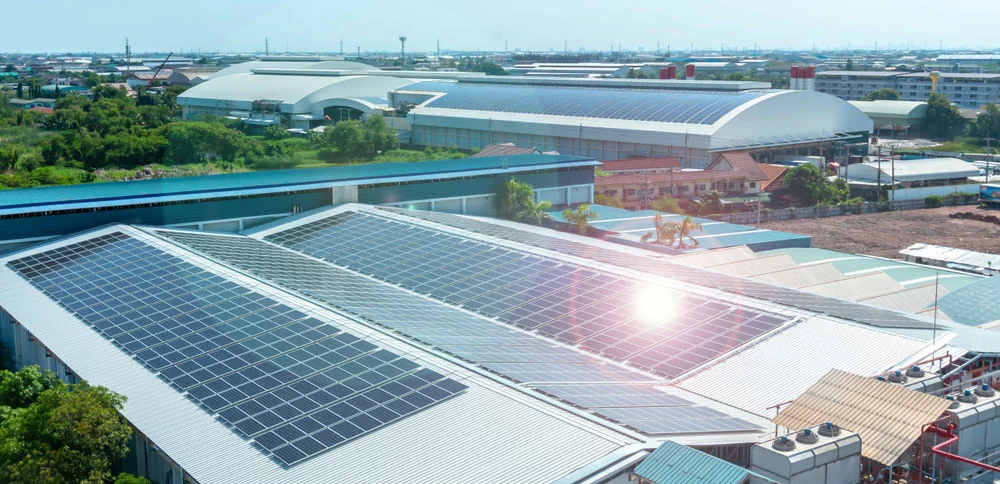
<point>892,164</point>
<point>878,176</point>
<point>341,46</point>
<point>439,48</point>
<point>989,156</point>
<point>267,47</point>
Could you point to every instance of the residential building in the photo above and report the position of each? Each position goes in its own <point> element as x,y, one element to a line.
<point>964,90</point>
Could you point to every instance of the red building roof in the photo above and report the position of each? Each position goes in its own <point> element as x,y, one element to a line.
<point>634,164</point>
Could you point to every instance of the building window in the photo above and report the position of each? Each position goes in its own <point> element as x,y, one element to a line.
<point>296,208</point>
<point>753,184</point>
<point>630,193</point>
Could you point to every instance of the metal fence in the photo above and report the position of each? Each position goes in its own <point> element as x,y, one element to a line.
<point>750,218</point>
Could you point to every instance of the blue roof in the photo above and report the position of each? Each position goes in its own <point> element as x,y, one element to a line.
<point>974,304</point>
<point>666,106</point>
<point>672,463</point>
<point>217,185</point>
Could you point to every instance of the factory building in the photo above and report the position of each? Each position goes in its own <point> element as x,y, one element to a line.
<point>436,347</point>
<point>971,91</point>
<point>605,119</point>
<point>234,202</point>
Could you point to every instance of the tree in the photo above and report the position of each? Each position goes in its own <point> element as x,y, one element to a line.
<point>535,213</point>
<point>943,119</point>
<point>685,229</point>
<point>275,132</point>
<point>580,217</point>
<point>710,203</point>
<point>884,94</point>
<point>201,141</point>
<point>379,137</point>
<point>355,141</point>
<point>20,89</point>
<point>666,231</point>
<point>607,201</point>
<point>804,184</point>
<point>667,204</point>
<point>987,123</point>
<point>849,66</point>
<point>54,432</point>
<point>512,197</point>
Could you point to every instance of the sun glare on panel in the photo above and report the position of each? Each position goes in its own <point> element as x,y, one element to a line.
<point>654,305</point>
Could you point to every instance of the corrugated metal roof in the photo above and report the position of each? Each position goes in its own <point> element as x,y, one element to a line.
<point>500,433</point>
<point>911,300</point>
<point>32,199</point>
<point>802,276</point>
<point>856,288</point>
<point>887,416</point>
<point>798,357</point>
<point>758,265</point>
<point>715,257</point>
<point>673,463</point>
<point>952,255</point>
<point>974,304</point>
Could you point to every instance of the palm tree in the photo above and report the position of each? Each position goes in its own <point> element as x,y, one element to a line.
<point>686,228</point>
<point>512,197</point>
<point>666,232</point>
<point>535,213</point>
<point>580,217</point>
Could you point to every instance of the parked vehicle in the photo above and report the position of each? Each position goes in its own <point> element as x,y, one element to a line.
<point>989,195</point>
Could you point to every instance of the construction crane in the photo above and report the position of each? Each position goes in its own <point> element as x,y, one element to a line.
<point>157,72</point>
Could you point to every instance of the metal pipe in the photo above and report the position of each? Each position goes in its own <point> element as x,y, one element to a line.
<point>952,438</point>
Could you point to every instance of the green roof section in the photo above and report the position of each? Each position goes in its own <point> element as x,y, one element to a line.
<point>275,180</point>
<point>672,463</point>
<point>974,304</point>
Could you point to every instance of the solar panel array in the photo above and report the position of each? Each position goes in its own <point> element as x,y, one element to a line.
<point>514,354</point>
<point>667,106</point>
<point>780,295</point>
<point>597,311</point>
<point>294,384</point>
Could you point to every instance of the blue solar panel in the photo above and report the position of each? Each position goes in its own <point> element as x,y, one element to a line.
<point>666,106</point>
<point>261,366</point>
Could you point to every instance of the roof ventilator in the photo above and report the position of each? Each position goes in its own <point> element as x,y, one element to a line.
<point>783,444</point>
<point>915,372</point>
<point>806,437</point>
<point>829,430</point>
<point>985,391</point>
<point>954,403</point>
<point>968,397</point>
<point>898,377</point>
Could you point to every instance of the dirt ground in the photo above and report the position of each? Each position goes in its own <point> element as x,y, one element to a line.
<point>884,234</point>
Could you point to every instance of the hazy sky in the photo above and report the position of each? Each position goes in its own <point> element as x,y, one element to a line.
<point>234,25</point>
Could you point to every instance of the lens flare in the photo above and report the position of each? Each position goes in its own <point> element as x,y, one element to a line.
<point>654,305</point>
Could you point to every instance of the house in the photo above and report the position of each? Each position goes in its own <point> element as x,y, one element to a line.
<point>143,78</point>
<point>735,174</point>
<point>38,102</point>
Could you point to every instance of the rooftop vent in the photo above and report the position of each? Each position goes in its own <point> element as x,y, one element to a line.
<point>915,372</point>
<point>985,391</point>
<point>968,397</point>
<point>806,437</point>
<point>954,404</point>
<point>898,377</point>
<point>829,430</point>
<point>783,444</point>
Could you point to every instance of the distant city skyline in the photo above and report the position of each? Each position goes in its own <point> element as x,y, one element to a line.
<point>186,26</point>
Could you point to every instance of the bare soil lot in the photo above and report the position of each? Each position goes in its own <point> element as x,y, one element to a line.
<point>884,234</point>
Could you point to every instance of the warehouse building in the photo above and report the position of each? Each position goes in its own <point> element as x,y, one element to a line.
<point>605,119</point>
<point>233,202</point>
<point>433,347</point>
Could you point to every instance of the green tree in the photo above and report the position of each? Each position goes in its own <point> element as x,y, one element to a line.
<point>607,201</point>
<point>54,432</point>
<point>20,89</point>
<point>348,137</point>
<point>580,218</point>
<point>534,213</point>
<point>512,197</point>
<point>489,68</point>
<point>275,132</point>
<point>849,66</point>
<point>987,123</point>
<point>710,203</point>
<point>379,137</point>
<point>943,119</point>
<point>685,230</point>
<point>201,141</point>
<point>804,183</point>
<point>884,94</point>
<point>667,204</point>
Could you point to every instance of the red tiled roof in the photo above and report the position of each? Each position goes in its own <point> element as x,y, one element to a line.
<point>41,109</point>
<point>641,164</point>
<point>663,177</point>
<point>742,162</point>
<point>774,173</point>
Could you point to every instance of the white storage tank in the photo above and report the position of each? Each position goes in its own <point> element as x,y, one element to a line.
<point>825,454</point>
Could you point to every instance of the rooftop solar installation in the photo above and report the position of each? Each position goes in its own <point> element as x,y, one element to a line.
<point>297,386</point>
<point>666,106</point>
<point>596,311</point>
<point>780,295</point>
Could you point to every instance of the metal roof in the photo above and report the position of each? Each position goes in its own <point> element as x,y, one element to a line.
<point>26,200</point>
<point>913,170</point>
<point>673,463</point>
<point>887,416</point>
<point>802,276</point>
<point>974,304</point>
<point>912,300</point>
<point>665,106</point>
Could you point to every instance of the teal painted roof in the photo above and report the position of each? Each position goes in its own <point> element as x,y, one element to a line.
<point>26,199</point>
<point>975,304</point>
<point>672,463</point>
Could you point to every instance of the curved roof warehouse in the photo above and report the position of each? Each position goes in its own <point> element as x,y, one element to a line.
<point>605,119</point>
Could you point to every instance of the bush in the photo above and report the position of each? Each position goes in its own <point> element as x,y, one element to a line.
<point>855,205</point>
<point>607,201</point>
<point>667,204</point>
<point>328,155</point>
<point>933,201</point>
<point>272,163</point>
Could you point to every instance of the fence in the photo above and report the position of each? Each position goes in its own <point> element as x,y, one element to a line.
<point>750,218</point>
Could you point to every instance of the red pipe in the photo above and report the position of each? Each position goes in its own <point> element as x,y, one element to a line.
<point>952,438</point>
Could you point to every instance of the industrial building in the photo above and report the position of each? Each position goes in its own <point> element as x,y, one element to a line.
<point>970,91</point>
<point>438,347</point>
<point>233,202</point>
<point>605,119</point>
<point>894,116</point>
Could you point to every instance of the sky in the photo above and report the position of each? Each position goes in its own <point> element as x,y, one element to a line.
<point>208,26</point>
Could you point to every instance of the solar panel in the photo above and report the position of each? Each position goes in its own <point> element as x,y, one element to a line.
<point>259,365</point>
<point>668,106</point>
<point>786,296</point>
<point>565,302</point>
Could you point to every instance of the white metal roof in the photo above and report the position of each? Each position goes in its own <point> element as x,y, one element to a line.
<point>803,275</point>
<point>857,288</point>
<point>911,300</point>
<point>501,433</point>
<point>782,366</point>
<point>952,255</point>
<point>914,170</point>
